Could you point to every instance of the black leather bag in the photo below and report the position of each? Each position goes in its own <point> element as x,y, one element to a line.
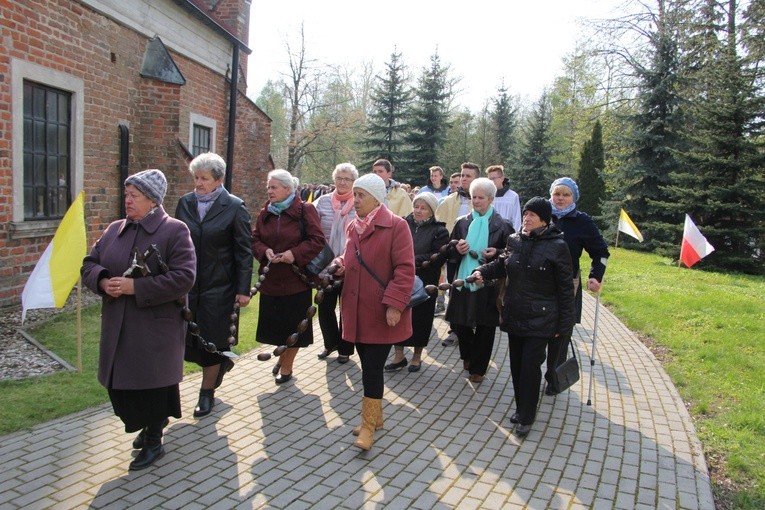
<point>567,373</point>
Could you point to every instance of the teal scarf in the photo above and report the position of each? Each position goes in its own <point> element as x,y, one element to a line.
<point>278,208</point>
<point>478,240</point>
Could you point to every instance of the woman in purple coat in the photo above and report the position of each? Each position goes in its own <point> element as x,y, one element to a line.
<point>378,270</point>
<point>142,330</point>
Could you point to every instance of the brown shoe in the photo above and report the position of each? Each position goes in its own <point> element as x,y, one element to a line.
<point>476,378</point>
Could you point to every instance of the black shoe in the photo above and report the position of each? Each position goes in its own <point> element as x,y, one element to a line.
<point>323,354</point>
<point>147,456</point>
<point>522,430</point>
<point>342,359</point>
<point>275,371</point>
<point>515,418</point>
<point>205,404</point>
<point>283,378</point>
<point>549,390</point>
<point>141,437</point>
<point>414,368</point>
<point>225,367</point>
<point>392,367</point>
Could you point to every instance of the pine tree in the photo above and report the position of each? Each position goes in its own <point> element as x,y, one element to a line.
<point>534,174</point>
<point>504,118</point>
<point>389,118</point>
<point>429,121</point>
<point>592,189</point>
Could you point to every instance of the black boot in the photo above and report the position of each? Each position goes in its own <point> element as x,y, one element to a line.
<point>152,448</point>
<point>138,441</point>
<point>205,404</point>
<point>226,366</point>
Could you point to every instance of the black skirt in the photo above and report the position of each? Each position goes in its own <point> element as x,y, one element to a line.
<point>140,408</point>
<point>279,316</point>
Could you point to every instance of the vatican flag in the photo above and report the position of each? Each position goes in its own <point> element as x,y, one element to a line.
<point>58,269</point>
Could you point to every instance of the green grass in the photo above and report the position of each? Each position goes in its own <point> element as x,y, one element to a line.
<point>714,327</point>
<point>712,324</point>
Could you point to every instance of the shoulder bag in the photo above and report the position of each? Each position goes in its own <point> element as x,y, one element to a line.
<point>325,256</point>
<point>567,373</point>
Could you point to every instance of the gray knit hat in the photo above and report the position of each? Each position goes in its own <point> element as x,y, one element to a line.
<point>151,183</point>
<point>428,198</point>
<point>372,184</point>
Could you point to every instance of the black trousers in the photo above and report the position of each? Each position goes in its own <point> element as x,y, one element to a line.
<point>331,327</point>
<point>476,345</point>
<point>526,357</point>
<point>373,358</point>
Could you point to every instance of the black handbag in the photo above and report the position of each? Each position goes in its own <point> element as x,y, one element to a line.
<point>567,373</point>
<point>419,295</point>
<point>320,261</point>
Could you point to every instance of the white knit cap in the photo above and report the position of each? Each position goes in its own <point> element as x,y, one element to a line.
<point>372,184</point>
<point>428,198</point>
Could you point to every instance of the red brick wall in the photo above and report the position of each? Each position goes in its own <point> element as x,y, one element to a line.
<point>62,35</point>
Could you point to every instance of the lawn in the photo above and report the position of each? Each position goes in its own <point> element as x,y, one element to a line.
<point>710,328</point>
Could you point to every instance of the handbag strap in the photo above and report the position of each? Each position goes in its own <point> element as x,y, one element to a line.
<point>364,264</point>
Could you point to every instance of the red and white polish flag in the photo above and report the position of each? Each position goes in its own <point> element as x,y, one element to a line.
<point>695,246</point>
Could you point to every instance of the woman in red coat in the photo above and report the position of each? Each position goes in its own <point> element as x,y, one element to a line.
<point>374,313</point>
<point>287,231</point>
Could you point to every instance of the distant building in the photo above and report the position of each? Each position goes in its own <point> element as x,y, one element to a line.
<point>94,90</point>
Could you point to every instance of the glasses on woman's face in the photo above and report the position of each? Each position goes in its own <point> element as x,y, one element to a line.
<point>343,179</point>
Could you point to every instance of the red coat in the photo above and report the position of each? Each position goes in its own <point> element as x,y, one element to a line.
<point>387,249</point>
<point>282,233</point>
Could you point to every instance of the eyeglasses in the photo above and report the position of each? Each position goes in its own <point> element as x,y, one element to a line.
<point>344,179</point>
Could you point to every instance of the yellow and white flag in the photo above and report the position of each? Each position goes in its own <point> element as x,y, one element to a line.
<point>58,269</point>
<point>629,228</point>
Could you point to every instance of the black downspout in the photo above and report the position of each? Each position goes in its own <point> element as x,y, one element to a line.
<point>232,117</point>
<point>124,164</point>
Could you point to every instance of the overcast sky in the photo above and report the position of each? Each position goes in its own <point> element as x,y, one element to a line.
<point>482,41</point>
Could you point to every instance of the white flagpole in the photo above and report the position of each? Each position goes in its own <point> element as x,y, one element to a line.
<point>79,325</point>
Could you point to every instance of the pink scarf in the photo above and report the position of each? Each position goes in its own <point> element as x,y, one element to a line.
<point>361,224</point>
<point>342,206</point>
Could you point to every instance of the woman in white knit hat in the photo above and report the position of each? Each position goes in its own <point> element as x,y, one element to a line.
<point>378,271</point>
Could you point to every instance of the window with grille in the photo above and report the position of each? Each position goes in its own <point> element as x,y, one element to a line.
<point>202,140</point>
<point>47,159</point>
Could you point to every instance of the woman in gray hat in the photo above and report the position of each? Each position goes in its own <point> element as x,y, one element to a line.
<point>142,266</point>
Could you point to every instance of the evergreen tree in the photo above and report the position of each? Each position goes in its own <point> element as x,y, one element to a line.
<point>535,172</point>
<point>429,121</point>
<point>504,119</point>
<point>721,183</point>
<point>642,179</point>
<point>388,120</point>
<point>592,189</point>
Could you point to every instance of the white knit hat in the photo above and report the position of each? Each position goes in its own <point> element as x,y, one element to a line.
<point>372,184</point>
<point>428,198</point>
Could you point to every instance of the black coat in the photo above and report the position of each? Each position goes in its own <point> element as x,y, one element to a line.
<point>428,239</point>
<point>223,244</point>
<point>539,298</point>
<point>468,308</point>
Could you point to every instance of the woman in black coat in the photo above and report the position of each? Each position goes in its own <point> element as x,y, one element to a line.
<point>428,236</point>
<point>538,304</point>
<point>220,229</point>
<point>472,312</point>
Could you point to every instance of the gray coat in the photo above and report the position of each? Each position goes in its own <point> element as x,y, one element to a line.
<point>142,336</point>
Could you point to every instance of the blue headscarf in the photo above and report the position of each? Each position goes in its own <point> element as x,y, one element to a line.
<point>570,184</point>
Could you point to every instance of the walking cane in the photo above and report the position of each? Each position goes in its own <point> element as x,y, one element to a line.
<point>594,341</point>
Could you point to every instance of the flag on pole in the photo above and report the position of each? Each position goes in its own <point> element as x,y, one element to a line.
<point>695,246</point>
<point>629,228</point>
<point>58,269</point>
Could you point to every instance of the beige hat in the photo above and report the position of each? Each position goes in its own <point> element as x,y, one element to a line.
<point>372,184</point>
<point>428,198</point>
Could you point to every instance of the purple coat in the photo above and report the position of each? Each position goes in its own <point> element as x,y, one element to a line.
<point>386,247</point>
<point>143,335</point>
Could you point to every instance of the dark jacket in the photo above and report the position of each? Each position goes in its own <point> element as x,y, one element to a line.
<point>539,298</point>
<point>581,233</point>
<point>297,229</point>
<point>476,308</point>
<point>223,244</point>
<point>428,239</point>
<point>142,336</point>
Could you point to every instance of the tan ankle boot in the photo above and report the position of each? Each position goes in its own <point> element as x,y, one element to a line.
<point>371,413</point>
<point>378,422</point>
